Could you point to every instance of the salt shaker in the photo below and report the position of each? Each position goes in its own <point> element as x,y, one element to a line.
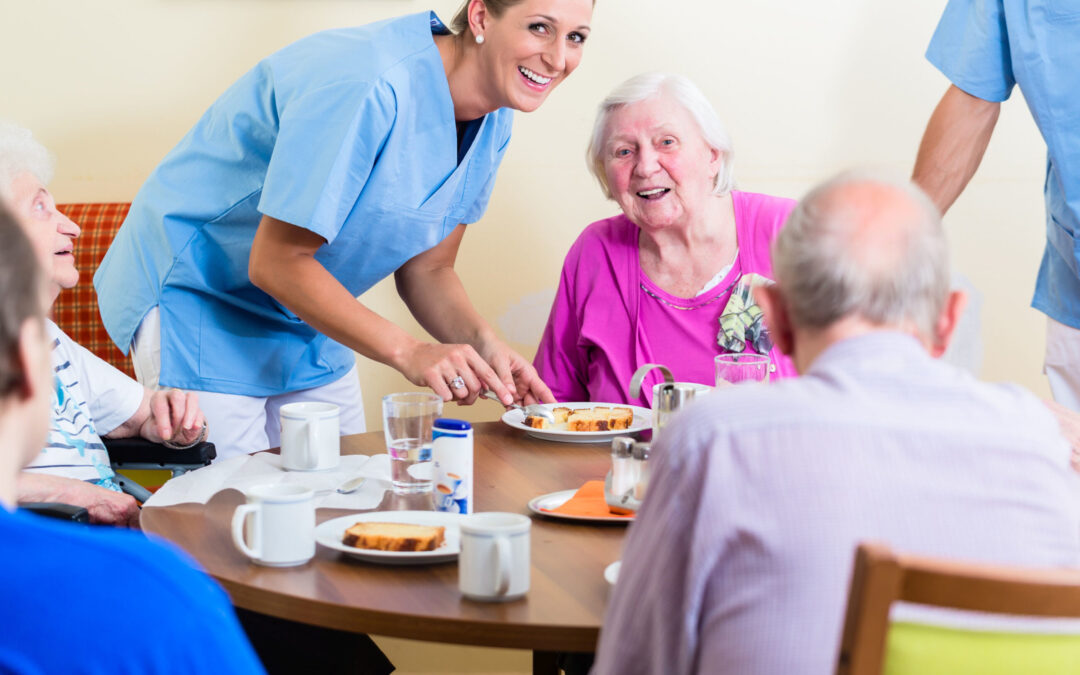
<point>620,481</point>
<point>640,458</point>
<point>623,476</point>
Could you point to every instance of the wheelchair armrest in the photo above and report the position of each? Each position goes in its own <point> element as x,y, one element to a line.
<point>142,451</point>
<point>57,510</point>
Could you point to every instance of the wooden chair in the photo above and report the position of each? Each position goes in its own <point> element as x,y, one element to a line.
<point>871,644</point>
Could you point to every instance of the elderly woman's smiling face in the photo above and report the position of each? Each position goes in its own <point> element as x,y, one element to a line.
<point>658,166</point>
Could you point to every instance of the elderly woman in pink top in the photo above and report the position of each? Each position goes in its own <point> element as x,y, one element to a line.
<point>668,280</point>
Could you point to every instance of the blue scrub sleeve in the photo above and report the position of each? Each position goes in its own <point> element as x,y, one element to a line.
<point>327,144</point>
<point>971,48</point>
<point>479,206</point>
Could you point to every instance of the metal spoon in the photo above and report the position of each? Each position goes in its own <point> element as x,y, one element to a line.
<point>350,486</point>
<point>534,410</point>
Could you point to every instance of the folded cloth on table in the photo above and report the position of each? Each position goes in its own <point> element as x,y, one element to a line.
<point>263,468</point>
<point>588,501</point>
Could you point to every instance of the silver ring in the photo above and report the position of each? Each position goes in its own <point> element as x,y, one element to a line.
<point>457,383</point>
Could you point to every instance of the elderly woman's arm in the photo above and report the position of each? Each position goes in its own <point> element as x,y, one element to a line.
<point>559,360</point>
<point>104,506</point>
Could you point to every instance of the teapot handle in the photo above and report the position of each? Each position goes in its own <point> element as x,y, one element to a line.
<point>639,377</point>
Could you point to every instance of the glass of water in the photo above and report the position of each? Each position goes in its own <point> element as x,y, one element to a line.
<point>740,368</point>
<point>407,422</point>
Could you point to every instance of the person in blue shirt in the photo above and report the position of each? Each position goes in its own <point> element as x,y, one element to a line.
<point>345,157</point>
<point>986,48</point>
<point>59,615</point>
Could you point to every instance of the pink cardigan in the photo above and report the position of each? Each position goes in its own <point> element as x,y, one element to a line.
<point>604,323</point>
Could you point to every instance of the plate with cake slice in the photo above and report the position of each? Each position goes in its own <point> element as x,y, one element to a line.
<point>394,537</point>
<point>583,422</point>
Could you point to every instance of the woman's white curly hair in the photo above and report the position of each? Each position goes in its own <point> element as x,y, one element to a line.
<point>19,153</point>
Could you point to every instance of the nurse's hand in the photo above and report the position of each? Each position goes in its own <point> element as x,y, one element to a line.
<point>518,374</point>
<point>439,366</point>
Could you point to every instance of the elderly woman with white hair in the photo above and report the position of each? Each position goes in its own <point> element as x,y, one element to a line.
<point>668,280</point>
<point>91,399</point>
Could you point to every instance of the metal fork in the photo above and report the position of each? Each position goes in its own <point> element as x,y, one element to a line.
<point>534,410</point>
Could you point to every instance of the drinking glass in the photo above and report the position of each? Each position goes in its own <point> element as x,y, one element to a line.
<point>739,368</point>
<point>407,423</point>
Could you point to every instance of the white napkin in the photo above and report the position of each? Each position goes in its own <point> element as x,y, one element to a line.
<point>246,471</point>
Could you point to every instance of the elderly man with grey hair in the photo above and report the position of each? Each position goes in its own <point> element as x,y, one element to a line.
<point>91,399</point>
<point>741,554</point>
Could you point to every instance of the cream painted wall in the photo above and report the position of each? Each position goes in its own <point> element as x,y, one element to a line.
<point>806,89</point>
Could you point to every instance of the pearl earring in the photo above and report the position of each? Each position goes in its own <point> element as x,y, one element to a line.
<point>479,39</point>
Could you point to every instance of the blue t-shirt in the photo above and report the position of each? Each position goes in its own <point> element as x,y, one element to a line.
<point>348,133</point>
<point>985,47</point>
<point>80,599</point>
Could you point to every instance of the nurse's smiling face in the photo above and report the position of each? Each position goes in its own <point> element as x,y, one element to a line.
<point>532,47</point>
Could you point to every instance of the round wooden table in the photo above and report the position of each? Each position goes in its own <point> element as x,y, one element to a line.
<point>563,610</point>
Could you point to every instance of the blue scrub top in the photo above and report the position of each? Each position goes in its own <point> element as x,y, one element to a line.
<point>985,47</point>
<point>348,133</point>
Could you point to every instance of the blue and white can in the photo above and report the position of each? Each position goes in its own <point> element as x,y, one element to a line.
<point>452,453</point>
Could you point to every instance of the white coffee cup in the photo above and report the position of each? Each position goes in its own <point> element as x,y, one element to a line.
<point>310,436</point>
<point>495,560</point>
<point>277,525</point>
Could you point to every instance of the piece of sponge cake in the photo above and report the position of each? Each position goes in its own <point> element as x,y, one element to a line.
<point>395,536</point>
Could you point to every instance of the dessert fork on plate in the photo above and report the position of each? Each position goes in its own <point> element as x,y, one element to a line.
<point>534,410</point>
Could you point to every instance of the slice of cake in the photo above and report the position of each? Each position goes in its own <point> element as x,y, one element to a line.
<point>586,419</point>
<point>620,418</point>
<point>536,422</point>
<point>395,536</point>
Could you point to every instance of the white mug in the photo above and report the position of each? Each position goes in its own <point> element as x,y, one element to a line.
<point>277,525</point>
<point>310,436</point>
<point>494,561</point>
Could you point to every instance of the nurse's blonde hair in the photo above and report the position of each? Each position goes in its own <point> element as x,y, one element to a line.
<point>460,23</point>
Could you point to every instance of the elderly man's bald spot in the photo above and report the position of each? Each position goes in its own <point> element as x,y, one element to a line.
<point>874,222</point>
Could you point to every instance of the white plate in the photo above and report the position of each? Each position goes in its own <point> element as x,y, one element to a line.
<point>556,499</point>
<point>611,572</point>
<point>642,421</point>
<point>330,533</point>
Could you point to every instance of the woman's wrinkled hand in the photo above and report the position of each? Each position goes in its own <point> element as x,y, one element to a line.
<point>174,417</point>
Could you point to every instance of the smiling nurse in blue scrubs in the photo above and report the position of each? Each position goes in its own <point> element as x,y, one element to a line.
<point>345,157</point>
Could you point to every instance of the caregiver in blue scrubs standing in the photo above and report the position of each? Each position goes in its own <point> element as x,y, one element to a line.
<point>343,158</point>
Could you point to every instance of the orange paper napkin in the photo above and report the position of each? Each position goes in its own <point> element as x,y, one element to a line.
<point>588,501</point>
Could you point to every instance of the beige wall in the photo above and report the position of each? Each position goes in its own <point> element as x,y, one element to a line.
<point>806,89</point>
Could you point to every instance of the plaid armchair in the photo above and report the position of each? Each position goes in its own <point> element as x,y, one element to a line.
<point>76,310</point>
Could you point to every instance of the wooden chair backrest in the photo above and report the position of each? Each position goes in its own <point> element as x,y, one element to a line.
<point>881,578</point>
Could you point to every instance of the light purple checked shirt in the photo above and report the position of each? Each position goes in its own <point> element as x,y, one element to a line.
<point>740,558</point>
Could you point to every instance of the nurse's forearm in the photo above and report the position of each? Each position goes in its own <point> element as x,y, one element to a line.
<point>953,145</point>
<point>437,299</point>
<point>283,265</point>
